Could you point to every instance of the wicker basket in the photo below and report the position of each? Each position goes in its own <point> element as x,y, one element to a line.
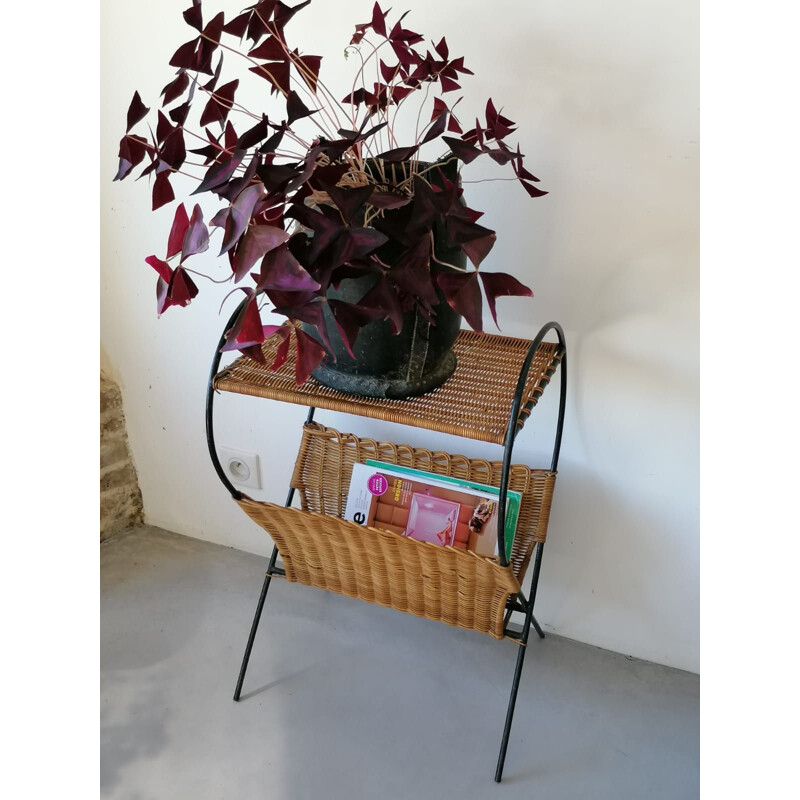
<point>320,549</point>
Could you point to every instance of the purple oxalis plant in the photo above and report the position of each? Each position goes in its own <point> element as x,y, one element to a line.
<point>327,192</point>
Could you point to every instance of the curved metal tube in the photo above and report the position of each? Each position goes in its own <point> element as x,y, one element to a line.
<point>212,450</point>
<point>513,427</point>
<point>562,403</point>
<point>511,433</point>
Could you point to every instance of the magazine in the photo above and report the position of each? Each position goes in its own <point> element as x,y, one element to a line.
<point>428,507</point>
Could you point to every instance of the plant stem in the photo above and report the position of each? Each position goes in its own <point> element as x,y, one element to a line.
<point>360,74</point>
<point>207,277</point>
<point>247,57</point>
<point>263,69</point>
<point>444,263</point>
<point>304,71</point>
<point>181,172</point>
<point>232,107</point>
<point>411,177</point>
<point>490,180</point>
<point>207,141</point>
<point>417,134</point>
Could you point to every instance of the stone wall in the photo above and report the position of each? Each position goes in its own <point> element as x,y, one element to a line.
<point>120,497</point>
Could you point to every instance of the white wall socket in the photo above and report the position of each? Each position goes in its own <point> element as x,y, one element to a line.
<point>241,467</point>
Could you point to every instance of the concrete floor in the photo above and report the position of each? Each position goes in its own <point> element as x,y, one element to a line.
<point>347,700</point>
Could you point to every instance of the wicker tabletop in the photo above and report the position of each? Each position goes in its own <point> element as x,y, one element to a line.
<point>475,402</point>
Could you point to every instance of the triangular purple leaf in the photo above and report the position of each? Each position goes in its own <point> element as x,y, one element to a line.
<point>281,271</point>
<point>179,113</point>
<point>194,16</point>
<point>163,128</point>
<point>296,109</point>
<point>174,89</point>
<point>308,67</point>
<point>220,104</point>
<point>277,73</point>
<point>312,313</point>
<point>180,225</point>
<point>196,238</point>
<point>162,288</point>
<point>270,49</point>
<point>137,111</point>
<point>246,329</point>
<point>282,351</point>
<point>254,135</point>
<point>284,13</point>
<point>161,267</point>
<point>398,154</point>
<point>532,190</point>
<point>212,84</point>
<point>463,294</point>
<point>412,272</point>
<point>365,241</point>
<point>213,31</point>
<point>383,298</point>
<point>501,155</point>
<point>231,137</point>
<point>182,288</point>
<point>162,191</point>
<point>132,150</point>
<point>220,218</point>
<point>325,230</point>
<point>185,56</point>
<point>448,84</point>
<point>500,284</point>
<point>350,318</point>
<point>238,25</point>
<point>174,150</point>
<point>123,170</point>
<point>230,191</point>
<point>349,200</point>
<point>478,249</point>
<point>239,216</point>
<point>460,230</point>
<point>461,149</point>
<point>387,200</point>
<point>437,129</point>
<point>310,353</point>
<point>257,241</point>
<point>220,173</point>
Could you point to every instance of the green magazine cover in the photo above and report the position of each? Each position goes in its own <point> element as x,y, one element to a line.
<point>512,502</point>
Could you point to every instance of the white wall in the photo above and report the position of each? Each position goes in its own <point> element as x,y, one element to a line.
<point>606,97</point>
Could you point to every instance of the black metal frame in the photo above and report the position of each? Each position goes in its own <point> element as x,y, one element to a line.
<point>518,602</point>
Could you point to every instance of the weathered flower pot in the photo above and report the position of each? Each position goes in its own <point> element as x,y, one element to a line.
<point>412,362</point>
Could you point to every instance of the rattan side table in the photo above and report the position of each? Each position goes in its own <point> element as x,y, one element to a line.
<point>489,397</point>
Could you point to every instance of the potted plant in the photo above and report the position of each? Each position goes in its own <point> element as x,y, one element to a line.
<point>329,217</point>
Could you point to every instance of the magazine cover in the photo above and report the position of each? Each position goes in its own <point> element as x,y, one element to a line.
<point>513,499</point>
<point>427,507</point>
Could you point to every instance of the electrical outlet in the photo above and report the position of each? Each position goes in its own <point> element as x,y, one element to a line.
<point>241,467</point>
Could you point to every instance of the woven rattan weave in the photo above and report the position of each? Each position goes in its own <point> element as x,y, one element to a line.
<point>320,549</point>
<point>474,403</point>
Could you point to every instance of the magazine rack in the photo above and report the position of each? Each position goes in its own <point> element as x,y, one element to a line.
<point>489,397</point>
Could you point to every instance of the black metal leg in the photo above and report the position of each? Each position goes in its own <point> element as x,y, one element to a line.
<point>271,570</point>
<point>256,620</point>
<point>537,627</point>
<point>512,701</point>
<point>537,566</point>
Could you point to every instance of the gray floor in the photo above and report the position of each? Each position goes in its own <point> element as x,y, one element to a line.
<point>347,700</point>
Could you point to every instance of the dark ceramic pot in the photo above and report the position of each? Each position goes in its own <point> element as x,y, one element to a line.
<point>415,361</point>
<point>412,362</point>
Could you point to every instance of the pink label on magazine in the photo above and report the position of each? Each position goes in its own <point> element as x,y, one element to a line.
<point>377,484</point>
